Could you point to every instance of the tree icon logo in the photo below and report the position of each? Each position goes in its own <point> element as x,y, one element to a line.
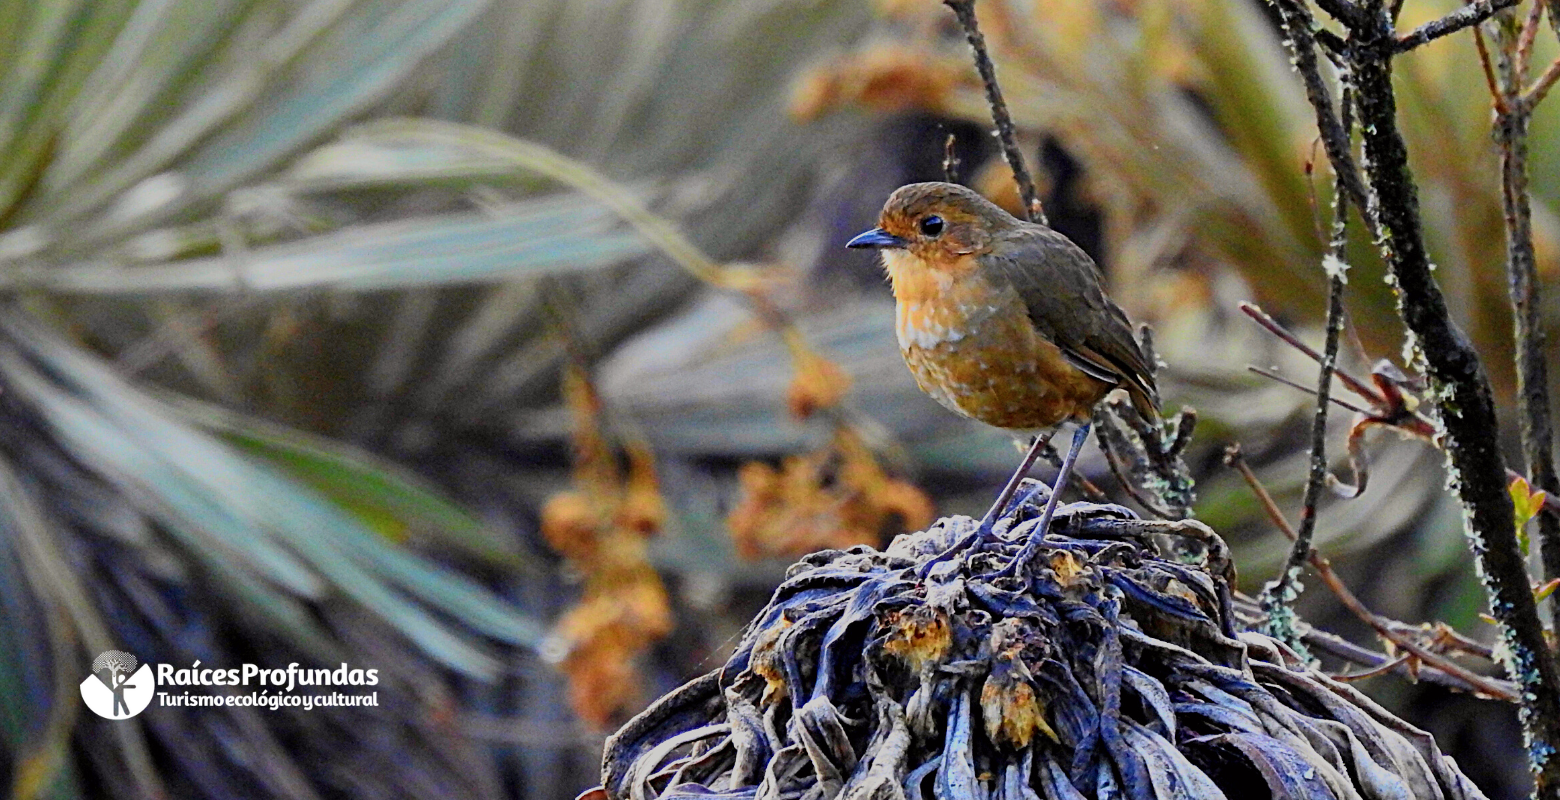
<point>116,689</point>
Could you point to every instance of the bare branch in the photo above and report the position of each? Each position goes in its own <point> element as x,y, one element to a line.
<point>1279,595</point>
<point>1489,72</point>
<point>1261,317</point>
<point>1332,43</point>
<point>1512,120</point>
<point>965,11</point>
<point>1104,434</point>
<point>1376,672</point>
<point>1299,26</point>
<point>1343,10</point>
<point>1387,629</point>
<point>1540,88</point>
<point>1339,647</point>
<point>1269,374</point>
<point>1457,377</point>
<point>1471,14</point>
<point>1526,38</point>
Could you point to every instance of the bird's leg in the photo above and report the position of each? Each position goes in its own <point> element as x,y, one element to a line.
<point>997,508</point>
<point>984,529</point>
<point>1033,543</point>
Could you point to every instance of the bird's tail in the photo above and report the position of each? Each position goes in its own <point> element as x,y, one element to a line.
<point>1145,398</point>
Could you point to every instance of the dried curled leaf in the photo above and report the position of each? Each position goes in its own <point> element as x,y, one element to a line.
<point>864,678</point>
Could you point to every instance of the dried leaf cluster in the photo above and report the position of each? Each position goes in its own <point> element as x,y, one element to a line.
<point>832,497</point>
<point>1108,669</point>
<point>602,526</point>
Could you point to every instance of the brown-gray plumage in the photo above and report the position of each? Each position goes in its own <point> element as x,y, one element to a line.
<point>966,273</point>
<point>1005,322</point>
<point>1061,287</point>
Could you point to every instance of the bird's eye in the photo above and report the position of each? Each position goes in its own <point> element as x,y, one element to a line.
<point>931,225</point>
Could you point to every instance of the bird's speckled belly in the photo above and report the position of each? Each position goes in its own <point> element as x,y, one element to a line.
<point>988,363</point>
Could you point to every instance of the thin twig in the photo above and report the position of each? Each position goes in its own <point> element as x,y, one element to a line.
<point>1278,595</point>
<point>1489,71</point>
<point>1299,26</point>
<point>1372,673</point>
<point>1113,460</point>
<point>965,11</point>
<point>1533,403</point>
<point>1383,627</point>
<point>1525,41</point>
<point>1340,9</point>
<point>1355,385</point>
<point>950,164</point>
<point>1551,502</point>
<point>1308,390</point>
<point>1332,44</point>
<point>1446,636</point>
<point>1471,14</point>
<point>1334,645</point>
<point>1540,88</point>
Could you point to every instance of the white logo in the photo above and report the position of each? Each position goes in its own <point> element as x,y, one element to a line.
<point>116,689</point>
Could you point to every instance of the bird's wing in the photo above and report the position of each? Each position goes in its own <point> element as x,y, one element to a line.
<point>1060,285</point>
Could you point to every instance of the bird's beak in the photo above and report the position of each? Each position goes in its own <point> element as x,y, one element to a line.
<point>877,238</point>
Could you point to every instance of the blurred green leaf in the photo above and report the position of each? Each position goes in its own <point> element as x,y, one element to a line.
<point>385,496</point>
<point>543,236</point>
<point>225,503</point>
<point>331,60</point>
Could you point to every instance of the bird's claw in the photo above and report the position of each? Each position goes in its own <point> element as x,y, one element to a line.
<point>967,544</point>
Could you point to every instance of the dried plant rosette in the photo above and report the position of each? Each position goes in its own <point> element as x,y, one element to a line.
<point>1110,667</point>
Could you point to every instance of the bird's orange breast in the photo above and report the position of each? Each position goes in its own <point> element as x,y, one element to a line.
<point>970,345</point>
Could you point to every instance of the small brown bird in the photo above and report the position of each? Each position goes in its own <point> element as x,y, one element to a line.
<point>1004,321</point>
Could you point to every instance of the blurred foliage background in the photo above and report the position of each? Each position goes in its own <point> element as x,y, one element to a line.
<point>508,346</point>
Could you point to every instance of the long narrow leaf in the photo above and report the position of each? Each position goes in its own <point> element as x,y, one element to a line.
<point>172,467</point>
<point>549,235</point>
<point>357,480</point>
<point>330,61</point>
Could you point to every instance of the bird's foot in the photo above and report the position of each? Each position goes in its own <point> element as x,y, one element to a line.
<point>1032,543</point>
<point>967,545</point>
<point>985,532</point>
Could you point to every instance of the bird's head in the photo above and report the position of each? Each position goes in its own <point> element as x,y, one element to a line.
<point>937,222</point>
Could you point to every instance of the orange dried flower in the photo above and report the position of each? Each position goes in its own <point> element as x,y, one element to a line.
<point>570,525</point>
<point>834,497</point>
<point>921,636</point>
<point>886,77</point>
<point>1066,566</point>
<point>1012,711</point>
<point>601,525</point>
<point>818,384</point>
<point>643,509</point>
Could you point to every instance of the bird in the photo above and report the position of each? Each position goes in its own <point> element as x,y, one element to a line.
<point>1005,322</point>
